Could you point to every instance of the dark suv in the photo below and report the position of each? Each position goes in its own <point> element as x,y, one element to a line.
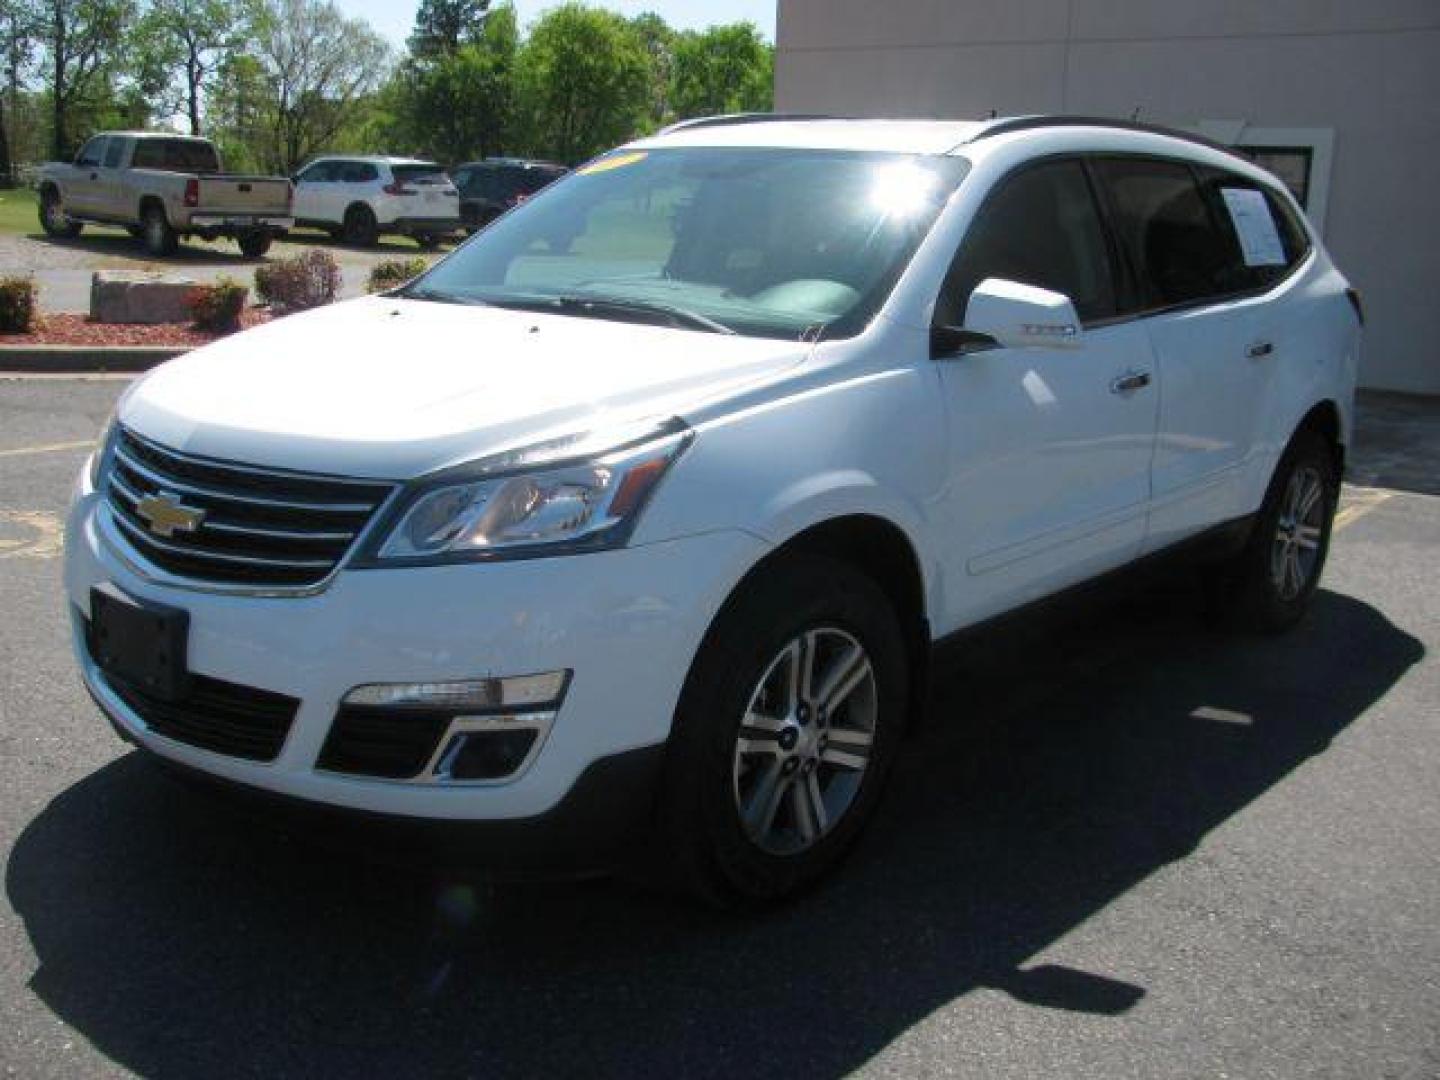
<point>488,188</point>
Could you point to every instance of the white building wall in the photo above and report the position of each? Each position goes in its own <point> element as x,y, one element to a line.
<point>1368,70</point>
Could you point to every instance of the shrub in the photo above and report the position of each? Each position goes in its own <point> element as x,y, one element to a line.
<point>392,273</point>
<point>302,281</point>
<point>218,307</point>
<point>17,305</point>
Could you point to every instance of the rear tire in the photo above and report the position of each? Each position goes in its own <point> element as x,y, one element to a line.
<point>428,242</point>
<point>769,778</point>
<point>254,245</point>
<point>53,218</point>
<point>360,227</point>
<point>159,238</point>
<point>1269,585</point>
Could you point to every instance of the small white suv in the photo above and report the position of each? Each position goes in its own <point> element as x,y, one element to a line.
<point>360,199</point>
<point>639,515</point>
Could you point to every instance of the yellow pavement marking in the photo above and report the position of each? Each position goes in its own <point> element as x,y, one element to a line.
<point>42,531</point>
<point>1365,500</point>
<point>48,448</point>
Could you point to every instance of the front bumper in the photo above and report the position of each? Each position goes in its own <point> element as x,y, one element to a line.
<point>626,622</point>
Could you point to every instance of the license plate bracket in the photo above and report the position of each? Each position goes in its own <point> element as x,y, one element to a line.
<point>140,642</point>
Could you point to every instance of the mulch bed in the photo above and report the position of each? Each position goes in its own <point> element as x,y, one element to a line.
<point>73,328</point>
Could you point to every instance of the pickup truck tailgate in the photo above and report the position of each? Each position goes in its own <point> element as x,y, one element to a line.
<point>245,195</point>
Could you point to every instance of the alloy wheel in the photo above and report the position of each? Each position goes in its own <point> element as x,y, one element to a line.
<point>805,741</point>
<point>1295,553</point>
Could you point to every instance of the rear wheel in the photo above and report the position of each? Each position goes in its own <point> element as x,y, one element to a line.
<point>784,734</point>
<point>254,245</point>
<point>53,218</point>
<point>159,237</point>
<point>1269,585</point>
<point>360,227</point>
<point>428,242</point>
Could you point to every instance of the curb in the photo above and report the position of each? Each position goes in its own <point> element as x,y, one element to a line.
<point>80,359</point>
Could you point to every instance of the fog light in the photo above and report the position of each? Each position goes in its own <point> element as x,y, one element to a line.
<point>486,755</point>
<point>477,695</point>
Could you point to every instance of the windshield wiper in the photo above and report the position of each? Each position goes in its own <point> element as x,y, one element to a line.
<point>601,307</point>
<point>440,296</point>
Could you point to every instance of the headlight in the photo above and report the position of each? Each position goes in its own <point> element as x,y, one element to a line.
<point>585,501</point>
<point>104,451</point>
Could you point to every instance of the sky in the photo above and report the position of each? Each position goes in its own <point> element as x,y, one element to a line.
<point>394,18</point>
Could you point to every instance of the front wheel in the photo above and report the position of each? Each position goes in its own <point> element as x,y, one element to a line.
<point>53,218</point>
<point>785,732</point>
<point>360,227</point>
<point>1269,585</point>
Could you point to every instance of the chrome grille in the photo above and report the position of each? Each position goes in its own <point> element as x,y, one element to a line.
<point>263,528</point>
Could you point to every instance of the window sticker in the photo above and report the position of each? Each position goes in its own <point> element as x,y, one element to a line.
<point>1250,214</point>
<point>615,161</point>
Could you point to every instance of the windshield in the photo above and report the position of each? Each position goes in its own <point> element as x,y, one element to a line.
<point>764,242</point>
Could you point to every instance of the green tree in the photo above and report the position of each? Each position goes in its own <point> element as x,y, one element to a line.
<point>442,26</point>
<point>180,44</point>
<point>19,28</point>
<point>658,40</point>
<point>237,114</point>
<point>82,40</point>
<point>725,69</point>
<point>583,78</point>
<point>457,104</point>
<point>321,72</point>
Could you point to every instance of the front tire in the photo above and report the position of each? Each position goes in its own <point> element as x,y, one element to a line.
<point>784,734</point>
<point>53,218</point>
<point>160,239</point>
<point>1269,586</point>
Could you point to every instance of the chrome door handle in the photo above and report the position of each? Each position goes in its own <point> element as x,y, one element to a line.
<point>1260,349</point>
<point>1130,382</point>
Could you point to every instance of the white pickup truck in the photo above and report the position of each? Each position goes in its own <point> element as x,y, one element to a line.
<point>161,187</point>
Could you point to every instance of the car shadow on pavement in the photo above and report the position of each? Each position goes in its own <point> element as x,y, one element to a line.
<point>1056,773</point>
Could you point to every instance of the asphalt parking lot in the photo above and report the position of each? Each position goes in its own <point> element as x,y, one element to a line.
<point>1128,846</point>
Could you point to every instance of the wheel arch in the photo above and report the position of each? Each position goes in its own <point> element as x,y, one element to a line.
<point>147,201</point>
<point>884,552</point>
<point>1324,419</point>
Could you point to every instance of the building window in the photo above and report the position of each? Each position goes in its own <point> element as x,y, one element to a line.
<point>1292,164</point>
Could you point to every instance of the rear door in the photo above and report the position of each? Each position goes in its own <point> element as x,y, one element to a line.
<point>112,194</point>
<point>1049,448</point>
<point>1204,311</point>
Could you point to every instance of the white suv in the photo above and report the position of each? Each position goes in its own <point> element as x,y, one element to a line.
<point>639,515</point>
<point>360,199</point>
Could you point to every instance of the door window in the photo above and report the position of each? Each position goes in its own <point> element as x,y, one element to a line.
<point>322,172</point>
<point>356,172</point>
<point>1265,228</point>
<point>92,153</point>
<point>1040,227</point>
<point>114,153</point>
<point>1178,245</point>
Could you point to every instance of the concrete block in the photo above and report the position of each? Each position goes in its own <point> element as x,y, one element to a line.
<point>139,298</point>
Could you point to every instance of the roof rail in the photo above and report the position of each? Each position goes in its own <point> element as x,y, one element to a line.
<point>726,119</point>
<point>1028,123</point>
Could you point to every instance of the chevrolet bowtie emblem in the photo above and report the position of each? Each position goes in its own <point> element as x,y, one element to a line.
<point>166,515</point>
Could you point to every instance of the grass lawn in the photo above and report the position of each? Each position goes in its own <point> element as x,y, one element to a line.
<point>18,212</point>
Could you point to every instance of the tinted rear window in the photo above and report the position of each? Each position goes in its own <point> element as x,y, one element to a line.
<point>530,181</point>
<point>177,155</point>
<point>419,174</point>
<point>1176,243</point>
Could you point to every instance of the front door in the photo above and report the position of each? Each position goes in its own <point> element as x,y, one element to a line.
<point>313,192</point>
<point>1049,448</point>
<point>83,191</point>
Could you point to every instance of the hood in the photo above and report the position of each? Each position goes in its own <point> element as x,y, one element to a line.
<point>394,389</point>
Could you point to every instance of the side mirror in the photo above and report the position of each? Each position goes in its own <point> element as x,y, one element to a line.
<point>1008,315</point>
